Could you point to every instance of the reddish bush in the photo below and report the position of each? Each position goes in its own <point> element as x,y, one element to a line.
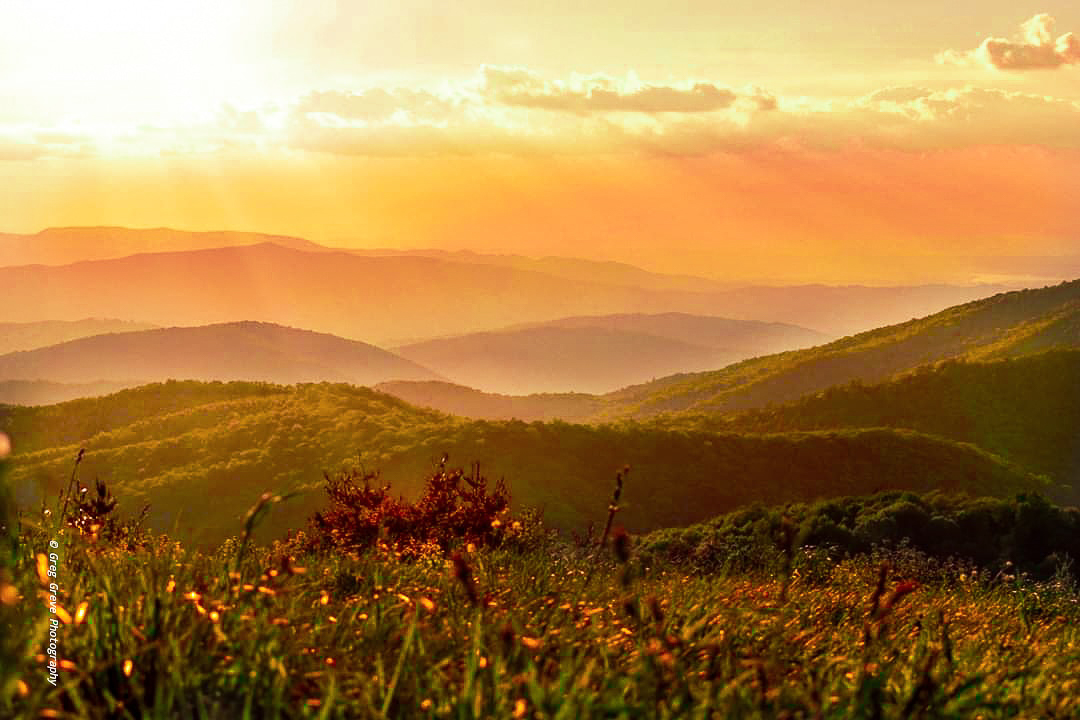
<point>455,509</point>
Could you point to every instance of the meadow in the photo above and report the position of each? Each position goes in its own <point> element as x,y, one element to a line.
<point>509,620</point>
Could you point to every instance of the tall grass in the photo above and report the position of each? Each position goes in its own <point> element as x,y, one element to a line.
<point>166,632</point>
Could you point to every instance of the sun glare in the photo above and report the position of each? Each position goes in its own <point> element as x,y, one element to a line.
<point>127,61</point>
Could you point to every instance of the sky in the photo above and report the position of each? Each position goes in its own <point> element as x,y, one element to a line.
<point>777,141</point>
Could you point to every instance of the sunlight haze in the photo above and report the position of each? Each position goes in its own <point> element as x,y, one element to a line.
<point>707,138</point>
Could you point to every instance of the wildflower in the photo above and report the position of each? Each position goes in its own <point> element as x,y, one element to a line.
<point>428,604</point>
<point>426,704</point>
<point>43,569</point>
<point>80,612</point>
<point>530,642</point>
<point>519,708</point>
<point>63,615</point>
<point>22,688</point>
<point>128,667</point>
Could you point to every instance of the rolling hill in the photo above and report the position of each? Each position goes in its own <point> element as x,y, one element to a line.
<point>1013,324</point>
<point>33,335</point>
<point>201,453</point>
<point>349,295</point>
<point>229,351</point>
<point>601,353</point>
<point>1016,324</point>
<point>66,245</point>
<point>1025,409</point>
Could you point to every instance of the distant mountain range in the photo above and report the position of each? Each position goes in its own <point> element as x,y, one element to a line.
<point>1007,325</point>
<point>601,353</point>
<point>389,298</point>
<point>472,403</point>
<point>43,392</point>
<point>66,245</point>
<point>229,351</point>
<point>33,335</point>
<point>577,269</point>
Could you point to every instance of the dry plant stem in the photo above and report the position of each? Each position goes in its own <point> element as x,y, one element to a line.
<point>612,509</point>
<point>71,483</point>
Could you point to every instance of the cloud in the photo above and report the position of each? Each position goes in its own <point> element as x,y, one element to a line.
<point>377,104</point>
<point>24,144</point>
<point>1034,49</point>
<point>517,87</point>
<point>514,111</point>
<point>13,150</point>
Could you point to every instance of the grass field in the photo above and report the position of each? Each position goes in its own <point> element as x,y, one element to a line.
<point>555,630</point>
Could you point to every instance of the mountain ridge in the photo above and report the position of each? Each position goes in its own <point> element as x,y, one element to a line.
<point>245,350</point>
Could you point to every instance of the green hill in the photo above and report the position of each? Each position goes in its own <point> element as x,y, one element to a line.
<point>1013,324</point>
<point>1025,409</point>
<point>202,452</point>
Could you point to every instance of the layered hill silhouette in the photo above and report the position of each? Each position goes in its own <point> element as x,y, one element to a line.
<point>601,353</point>
<point>66,245</point>
<point>1013,324</point>
<point>1007,325</point>
<point>43,392</point>
<point>578,269</point>
<point>33,335</point>
<point>472,403</point>
<point>201,453</point>
<point>228,351</point>
<point>394,300</point>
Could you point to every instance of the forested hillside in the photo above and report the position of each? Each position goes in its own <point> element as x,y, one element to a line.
<point>1025,409</point>
<point>201,453</point>
<point>1013,324</point>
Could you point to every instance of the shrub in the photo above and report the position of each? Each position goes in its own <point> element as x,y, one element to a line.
<point>455,509</point>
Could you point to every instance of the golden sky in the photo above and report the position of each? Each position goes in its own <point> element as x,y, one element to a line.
<point>777,140</point>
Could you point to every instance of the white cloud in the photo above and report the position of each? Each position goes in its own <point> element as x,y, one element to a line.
<point>1035,48</point>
